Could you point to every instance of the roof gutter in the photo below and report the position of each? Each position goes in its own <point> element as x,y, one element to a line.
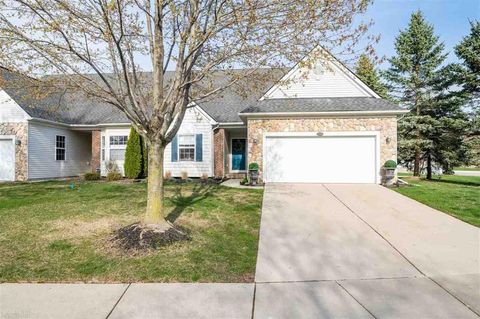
<point>78,126</point>
<point>322,114</point>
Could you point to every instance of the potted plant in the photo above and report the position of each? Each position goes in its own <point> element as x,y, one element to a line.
<point>389,168</point>
<point>253,173</point>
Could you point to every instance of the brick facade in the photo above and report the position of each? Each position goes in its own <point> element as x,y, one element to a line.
<point>96,146</point>
<point>219,140</point>
<point>20,130</point>
<point>387,126</point>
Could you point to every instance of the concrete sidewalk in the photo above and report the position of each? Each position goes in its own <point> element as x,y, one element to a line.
<point>102,301</point>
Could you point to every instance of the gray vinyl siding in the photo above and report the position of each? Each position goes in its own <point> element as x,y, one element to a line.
<point>41,152</point>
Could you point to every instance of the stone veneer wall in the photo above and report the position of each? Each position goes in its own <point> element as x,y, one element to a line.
<point>386,125</point>
<point>20,130</point>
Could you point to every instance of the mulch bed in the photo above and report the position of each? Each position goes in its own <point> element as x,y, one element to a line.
<point>137,237</point>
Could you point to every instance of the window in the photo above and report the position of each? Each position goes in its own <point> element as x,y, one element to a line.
<point>103,148</point>
<point>60,148</point>
<point>118,140</point>
<point>186,147</point>
<point>117,154</point>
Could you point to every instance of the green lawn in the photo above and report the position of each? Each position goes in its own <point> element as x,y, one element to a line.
<point>49,232</point>
<point>458,196</point>
<point>474,169</point>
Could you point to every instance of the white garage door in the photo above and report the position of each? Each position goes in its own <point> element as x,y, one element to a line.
<point>7,159</point>
<point>325,159</point>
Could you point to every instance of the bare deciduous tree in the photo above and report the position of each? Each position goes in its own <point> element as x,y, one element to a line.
<point>194,38</point>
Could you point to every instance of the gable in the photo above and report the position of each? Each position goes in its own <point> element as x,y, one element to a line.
<point>10,111</point>
<point>327,77</point>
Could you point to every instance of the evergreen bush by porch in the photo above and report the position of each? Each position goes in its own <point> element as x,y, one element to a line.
<point>135,158</point>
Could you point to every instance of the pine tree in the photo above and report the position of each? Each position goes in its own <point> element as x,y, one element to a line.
<point>134,160</point>
<point>366,71</point>
<point>468,51</point>
<point>412,76</point>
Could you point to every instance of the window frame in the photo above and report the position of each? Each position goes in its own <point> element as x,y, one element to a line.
<point>116,146</point>
<point>64,148</point>
<point>102,148</point>
<point>190,146</point>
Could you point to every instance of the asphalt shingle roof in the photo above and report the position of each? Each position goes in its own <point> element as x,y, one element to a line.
<point>337,104</point>
<point>224,107</point>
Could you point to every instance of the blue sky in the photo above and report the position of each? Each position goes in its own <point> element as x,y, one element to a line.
<point>449,17</point>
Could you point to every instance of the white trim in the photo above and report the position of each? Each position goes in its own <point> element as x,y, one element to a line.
<point>321,114</point>
<point>194,147</point>
<point>230,155</point>
<point>376,134</point>
<point>335,62</point>
<point>14,140</point>
<point>64,148</point>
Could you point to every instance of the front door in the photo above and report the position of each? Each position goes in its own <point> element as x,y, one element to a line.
<point>239,147</point>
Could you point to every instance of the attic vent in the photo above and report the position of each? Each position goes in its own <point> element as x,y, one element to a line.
<point>319,70</point>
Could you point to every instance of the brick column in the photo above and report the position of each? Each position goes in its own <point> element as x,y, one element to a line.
<point>219,153</point>
<point>96,145</point>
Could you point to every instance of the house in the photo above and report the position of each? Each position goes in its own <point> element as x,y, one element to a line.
<point>320,124</point>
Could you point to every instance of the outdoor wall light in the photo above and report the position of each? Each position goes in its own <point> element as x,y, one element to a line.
<point>388,139</point>
<point>18,142</point>
<point>255,141</point>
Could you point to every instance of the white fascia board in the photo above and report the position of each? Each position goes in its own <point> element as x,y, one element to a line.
<point>335,62</point>
<point>232,125</point>
<point>322,114</point>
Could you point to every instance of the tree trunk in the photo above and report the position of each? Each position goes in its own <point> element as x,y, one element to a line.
<point>429,166</point>
<point>154,215</point>
<point>416,164</point>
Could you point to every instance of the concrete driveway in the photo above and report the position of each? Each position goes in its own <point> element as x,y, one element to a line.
<point>362,251</point>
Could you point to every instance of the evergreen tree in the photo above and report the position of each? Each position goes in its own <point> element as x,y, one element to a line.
<point>366,71</point>
<point>134,156</point>
<point>414,80</point>
<point>468,51</point>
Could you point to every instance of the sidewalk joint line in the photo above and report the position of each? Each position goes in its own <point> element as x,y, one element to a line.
<point>253,302</point>
<point>341,279</point>
<point>348,292</point>
<point>115,305</point>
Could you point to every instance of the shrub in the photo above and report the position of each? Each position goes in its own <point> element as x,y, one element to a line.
<point>114,176</point>
<point>390,164</point>
<point>253,166</point>
<point>184,175</point>
<point>92,176</point>
<point>111,167</point>
<point>168,175</point>
<point>244,180</point>
<point>134,161</point>
<point>204,177</point>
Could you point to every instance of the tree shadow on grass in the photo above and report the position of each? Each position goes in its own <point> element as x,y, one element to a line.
<point>180,201</point>
<point>457,182</point>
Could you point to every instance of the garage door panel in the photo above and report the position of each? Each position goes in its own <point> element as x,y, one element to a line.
<point>344,159</point>
<point>7,160</point>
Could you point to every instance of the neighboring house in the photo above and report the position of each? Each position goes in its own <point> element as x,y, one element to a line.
<point>320,125</point>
